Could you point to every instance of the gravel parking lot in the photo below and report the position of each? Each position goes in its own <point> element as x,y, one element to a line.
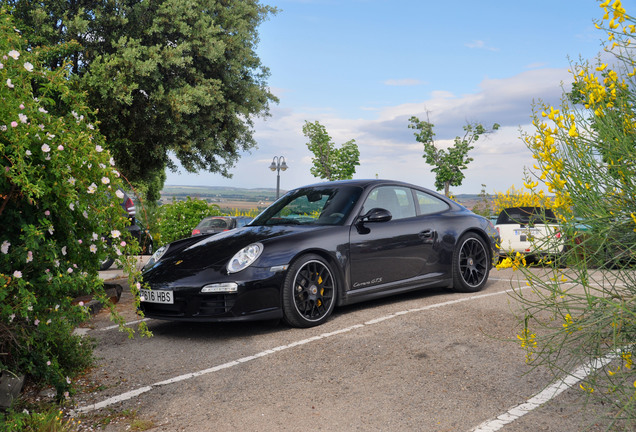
<point>430,360</point>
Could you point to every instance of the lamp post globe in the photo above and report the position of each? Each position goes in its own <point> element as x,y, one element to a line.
<point>278,164</point>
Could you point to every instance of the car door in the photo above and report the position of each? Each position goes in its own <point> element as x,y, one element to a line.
<point>389,252</point>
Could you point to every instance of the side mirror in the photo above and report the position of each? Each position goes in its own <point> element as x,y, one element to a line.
<point>376,215</point>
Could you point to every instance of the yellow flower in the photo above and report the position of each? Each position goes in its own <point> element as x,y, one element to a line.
<point>627,358</point>
<point>572,132</point>
<point>601,67</point>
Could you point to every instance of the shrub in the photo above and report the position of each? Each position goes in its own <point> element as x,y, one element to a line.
<point>514,197</point>
<point>59,205</point>
<point>177,220</point>
<point>51,421</point>
<point>585,155</point>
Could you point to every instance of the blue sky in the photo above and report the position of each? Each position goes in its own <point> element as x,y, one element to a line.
<point>362,68</point>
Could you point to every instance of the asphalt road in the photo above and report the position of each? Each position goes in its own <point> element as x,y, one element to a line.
<point>426,361</point>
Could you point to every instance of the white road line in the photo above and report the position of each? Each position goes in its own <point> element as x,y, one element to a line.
<point>134,393</point>
<point>539,399</point>
<point>129,323</point>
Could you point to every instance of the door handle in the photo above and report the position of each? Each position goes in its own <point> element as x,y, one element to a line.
<point>427,234</point>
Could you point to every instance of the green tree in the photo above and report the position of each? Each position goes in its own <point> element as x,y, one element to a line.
<point>168,77</point>
<point>330,163</point>
<point>61,214</point>
<point>448,164</point>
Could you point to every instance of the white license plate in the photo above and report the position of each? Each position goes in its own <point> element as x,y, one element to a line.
<point>526,232</point>
<point>156,296</point>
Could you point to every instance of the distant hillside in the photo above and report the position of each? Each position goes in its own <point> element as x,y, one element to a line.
<point>216,192</point>
<point>257,197</point>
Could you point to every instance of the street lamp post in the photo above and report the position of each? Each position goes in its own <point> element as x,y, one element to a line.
<point>278,164</point>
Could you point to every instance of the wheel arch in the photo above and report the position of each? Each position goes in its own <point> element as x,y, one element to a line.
<point>336,267</point>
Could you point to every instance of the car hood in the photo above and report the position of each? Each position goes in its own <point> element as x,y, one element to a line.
<point>215,250</point>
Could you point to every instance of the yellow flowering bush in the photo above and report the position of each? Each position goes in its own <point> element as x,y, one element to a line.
<point>514,197</point>
<point>584,154</point>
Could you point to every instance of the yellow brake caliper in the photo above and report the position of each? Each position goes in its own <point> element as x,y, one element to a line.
<point>322,291</point>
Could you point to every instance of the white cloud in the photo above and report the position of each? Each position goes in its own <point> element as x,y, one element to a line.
<point>480,44</point>
<point>388,147</point>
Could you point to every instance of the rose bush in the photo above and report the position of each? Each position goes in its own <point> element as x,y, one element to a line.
<point>59,206</point>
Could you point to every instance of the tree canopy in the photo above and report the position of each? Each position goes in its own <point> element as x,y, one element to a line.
<point>330,163</point>
<point>168,77</point>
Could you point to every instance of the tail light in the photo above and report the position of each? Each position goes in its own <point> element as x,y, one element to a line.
<point>130,207</point>
<point>196,231</point>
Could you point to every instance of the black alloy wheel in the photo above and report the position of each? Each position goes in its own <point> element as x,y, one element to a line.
<point>471,264</point>
<point>309,292</point>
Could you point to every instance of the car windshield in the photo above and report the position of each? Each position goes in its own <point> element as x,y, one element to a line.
<point>311,206</point>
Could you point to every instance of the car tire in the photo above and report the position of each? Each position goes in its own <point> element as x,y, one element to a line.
<point>471,264</point>
<point>309,292</point>
<point>105,265</point>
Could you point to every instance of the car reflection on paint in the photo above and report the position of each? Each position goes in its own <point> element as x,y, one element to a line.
<point>318,247</point>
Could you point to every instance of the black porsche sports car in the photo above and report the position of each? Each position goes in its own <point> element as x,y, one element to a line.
<point>318,247</point>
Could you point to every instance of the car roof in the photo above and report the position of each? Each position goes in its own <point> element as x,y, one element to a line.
<point>365,183</point>
<point>358,182</point>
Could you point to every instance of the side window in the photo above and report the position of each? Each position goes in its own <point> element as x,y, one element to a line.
<point>397,200</point>
<point>429,204</point>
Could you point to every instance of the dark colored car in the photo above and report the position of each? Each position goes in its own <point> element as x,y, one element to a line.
<point>318,247</point>
<point>136,229</point>
<point>217,224</point>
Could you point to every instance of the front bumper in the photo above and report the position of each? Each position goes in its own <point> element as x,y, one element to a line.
<point>256,299</point>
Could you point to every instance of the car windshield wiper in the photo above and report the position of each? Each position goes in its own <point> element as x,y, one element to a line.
<point>283,221</point>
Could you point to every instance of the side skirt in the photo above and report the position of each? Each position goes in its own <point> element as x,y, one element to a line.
<point>363,294</point>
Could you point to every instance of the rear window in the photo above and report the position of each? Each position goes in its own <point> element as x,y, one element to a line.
<point>213,223</point>
<point>526,216</point>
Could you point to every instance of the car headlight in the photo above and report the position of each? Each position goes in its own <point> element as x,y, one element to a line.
<point>156,256</point>
<point>244,258</point>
